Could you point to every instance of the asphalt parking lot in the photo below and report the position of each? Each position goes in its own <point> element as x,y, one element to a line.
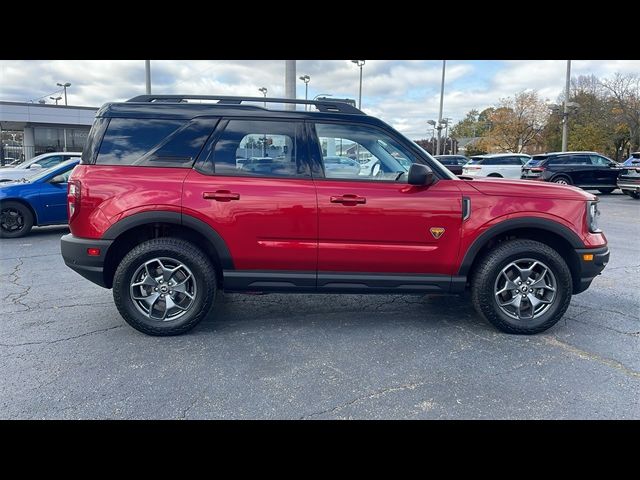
<point>65,352</point>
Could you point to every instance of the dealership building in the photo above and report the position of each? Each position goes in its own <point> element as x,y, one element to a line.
<point>29,129</point>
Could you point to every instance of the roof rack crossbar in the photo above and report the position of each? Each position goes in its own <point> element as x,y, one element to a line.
<point>326,106</point>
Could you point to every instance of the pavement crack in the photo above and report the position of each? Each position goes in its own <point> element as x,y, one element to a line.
<point>183,416</point>
<point>600,309</point>
<point>591,356</point>
<point>14,278</point>
<point>58,340</point>
<point>370,396</point>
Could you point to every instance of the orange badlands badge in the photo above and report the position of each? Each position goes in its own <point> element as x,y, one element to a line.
<point>437,232</point>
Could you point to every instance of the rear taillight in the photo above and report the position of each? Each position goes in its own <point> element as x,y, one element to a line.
<point>73,196</point>
<point>537,169</point>
<point>472,167</point>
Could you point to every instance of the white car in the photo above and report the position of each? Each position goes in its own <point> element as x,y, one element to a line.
<point>31,167</point>
<point>498,165</point>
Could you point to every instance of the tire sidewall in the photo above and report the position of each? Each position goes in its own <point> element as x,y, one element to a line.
<point>137,319</point>
<point>563,278</point>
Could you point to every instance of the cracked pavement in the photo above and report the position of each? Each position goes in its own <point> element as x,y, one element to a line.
<point>66,353</point>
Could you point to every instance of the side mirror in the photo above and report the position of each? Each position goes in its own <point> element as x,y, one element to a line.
<point>420,174</point>
<point>58,179</point>
<point>35,166</point>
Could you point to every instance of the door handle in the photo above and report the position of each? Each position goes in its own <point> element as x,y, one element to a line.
<point>221,196</point>
<point>348,199</point>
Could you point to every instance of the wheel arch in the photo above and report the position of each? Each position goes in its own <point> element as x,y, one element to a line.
<point>551,233</point>
<point>143,226</point>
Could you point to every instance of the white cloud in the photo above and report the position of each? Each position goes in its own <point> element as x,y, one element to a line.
<point>403,93</point>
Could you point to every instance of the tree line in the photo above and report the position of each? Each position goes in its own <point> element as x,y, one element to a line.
<point>604,116</point>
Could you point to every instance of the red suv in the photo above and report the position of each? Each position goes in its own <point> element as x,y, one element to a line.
<point>174,200</point>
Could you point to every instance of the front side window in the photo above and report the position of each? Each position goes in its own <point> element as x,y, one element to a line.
<point>260,148</point>
<point>361,153</point>
<point>599,161</point>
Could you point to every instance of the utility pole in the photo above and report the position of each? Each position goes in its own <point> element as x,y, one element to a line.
<point>290,83</point>
<point>444,64</point>
<point>147,74</point>
<point>65,85</point>
<point>565,114</point>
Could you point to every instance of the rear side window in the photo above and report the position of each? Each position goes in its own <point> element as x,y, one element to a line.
<point>559,160</point>
<point>153,143</point>
<point>476,161</point>
<point>260,148</point>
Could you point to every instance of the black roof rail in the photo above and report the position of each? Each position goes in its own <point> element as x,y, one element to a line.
<point>326,106</point>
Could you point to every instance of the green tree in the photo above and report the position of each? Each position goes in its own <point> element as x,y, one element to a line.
<point>474,124</point>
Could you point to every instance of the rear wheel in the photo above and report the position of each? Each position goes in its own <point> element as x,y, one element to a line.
<point>522,286</point>
<point>561,180</point>
<point>606,190</point>
<point>16,220</point>
<point>164,286</point>
<point>635,195</point>
<point>495,175</point>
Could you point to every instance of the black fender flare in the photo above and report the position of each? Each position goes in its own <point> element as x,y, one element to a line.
<point>162,216</point>
<point>512,224</point>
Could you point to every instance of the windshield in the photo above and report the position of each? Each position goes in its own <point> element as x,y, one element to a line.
<point>535,161</point>
<point>48,171</point>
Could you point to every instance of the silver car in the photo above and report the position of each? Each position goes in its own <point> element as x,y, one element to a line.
<point>31,167</point>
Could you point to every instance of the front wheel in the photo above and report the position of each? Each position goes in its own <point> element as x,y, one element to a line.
<point>522,286</point>
<point>635,195</point>
<point>164,286</point>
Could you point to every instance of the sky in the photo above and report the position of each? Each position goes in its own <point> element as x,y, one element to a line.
<point>405,94</point>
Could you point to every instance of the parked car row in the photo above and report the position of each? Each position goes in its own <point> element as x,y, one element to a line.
<point>587,170</point>
<point>35,165</point>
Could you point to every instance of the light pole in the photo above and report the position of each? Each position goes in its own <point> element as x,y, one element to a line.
<point>264,92</point>
<point>565,114</point>
<point>56,99</point>
<point>264,138</point>
<point>444,65</point>
<point>147,76</point>
<point>433,123</point>
<point>306,79</point>
<point>64,85</point>
<point>359,63</point>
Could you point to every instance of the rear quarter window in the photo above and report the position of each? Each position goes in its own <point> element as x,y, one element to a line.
<point>153,142</point>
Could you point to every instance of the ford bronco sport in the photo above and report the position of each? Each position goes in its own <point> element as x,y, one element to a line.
<point>176,199</point>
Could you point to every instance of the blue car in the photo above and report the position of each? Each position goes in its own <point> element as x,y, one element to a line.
<point>40,200</point>
<point>633,160</point>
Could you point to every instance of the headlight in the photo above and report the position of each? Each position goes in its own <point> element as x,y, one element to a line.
<point>592,216</point>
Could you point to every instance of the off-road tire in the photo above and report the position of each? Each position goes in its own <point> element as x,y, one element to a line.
<point>485,274</point>
<point>193,258</point>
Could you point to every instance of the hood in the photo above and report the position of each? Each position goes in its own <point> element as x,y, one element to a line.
<point>528,188</point>
<point>17,173</point>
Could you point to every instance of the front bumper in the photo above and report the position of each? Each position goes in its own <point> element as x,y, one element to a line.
<point>590,269</point>
<point>74,253</point>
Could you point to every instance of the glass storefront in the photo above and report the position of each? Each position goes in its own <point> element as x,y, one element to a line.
<point>51,139</point>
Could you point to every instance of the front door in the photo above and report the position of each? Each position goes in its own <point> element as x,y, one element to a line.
<point>53,199</point>
<point>371,221</point>
<point>254,187</point>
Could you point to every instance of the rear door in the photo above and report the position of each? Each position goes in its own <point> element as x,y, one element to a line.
<point>253,186</point>
<point>378,224</point>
